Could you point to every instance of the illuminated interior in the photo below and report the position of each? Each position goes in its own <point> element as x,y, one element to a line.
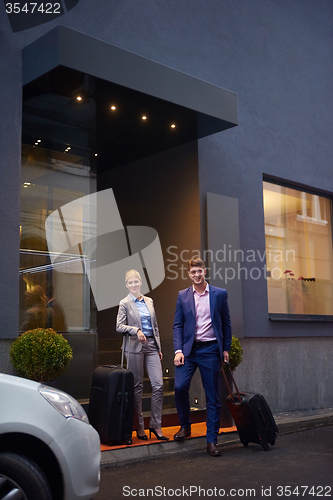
<point>298,232</point>
<point>75,129</point>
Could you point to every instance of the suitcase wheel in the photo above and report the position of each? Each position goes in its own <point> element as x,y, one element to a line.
<point>273,442</point>
<point>265,446</point>
<point>128,441</point>
<point>244,443</point>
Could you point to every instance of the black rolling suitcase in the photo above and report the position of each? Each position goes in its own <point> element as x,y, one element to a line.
<point>111,404</point>
<point>252,415</point>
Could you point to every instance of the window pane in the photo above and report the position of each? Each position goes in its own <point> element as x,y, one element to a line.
<point>51,296</point>
<point>298,232</point>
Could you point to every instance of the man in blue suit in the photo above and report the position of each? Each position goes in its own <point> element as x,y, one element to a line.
<point>202,339</point>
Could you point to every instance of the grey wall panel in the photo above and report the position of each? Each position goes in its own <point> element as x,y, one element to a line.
<point>10,156</point>
<point>223,254</point>
<point>161,192</point>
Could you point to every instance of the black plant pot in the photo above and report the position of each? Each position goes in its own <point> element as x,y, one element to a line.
<point>226,419</point>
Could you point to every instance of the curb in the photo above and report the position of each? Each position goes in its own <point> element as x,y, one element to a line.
<point>287,424</point>
<point>303,424</point>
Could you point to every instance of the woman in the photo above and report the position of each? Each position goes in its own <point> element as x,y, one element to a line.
<point>136,317</point>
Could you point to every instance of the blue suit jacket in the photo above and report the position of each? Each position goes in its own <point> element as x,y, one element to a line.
<point>185,322</point>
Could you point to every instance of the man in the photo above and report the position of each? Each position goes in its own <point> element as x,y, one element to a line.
<point>202,339</point>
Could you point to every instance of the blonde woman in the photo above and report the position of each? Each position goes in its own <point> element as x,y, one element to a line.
<point>136,317</point>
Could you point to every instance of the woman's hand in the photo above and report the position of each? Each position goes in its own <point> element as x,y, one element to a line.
<point>141,337</point>
<point>160,355</point>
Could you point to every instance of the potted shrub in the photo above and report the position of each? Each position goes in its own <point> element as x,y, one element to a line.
<point>235,357</point>
<point>41,354</point>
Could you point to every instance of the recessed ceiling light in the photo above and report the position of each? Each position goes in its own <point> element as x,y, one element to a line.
<point>173,126</point>
<point>113,108</point>
<point>144,117</point>
<point>79,98</point>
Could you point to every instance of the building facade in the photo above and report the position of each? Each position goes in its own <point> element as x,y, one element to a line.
<point>252,196</point>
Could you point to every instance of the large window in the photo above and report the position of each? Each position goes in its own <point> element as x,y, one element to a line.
<point>50,297</point>
<point>298,231</point>
<point>57,168</point>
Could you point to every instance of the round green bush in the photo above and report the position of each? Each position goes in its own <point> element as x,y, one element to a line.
<point>41,354</point>
<point>235,354</point>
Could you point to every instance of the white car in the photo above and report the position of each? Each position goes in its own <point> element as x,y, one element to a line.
<point>48,449</point>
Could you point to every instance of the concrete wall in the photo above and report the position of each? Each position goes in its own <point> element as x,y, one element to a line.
<point>293,374</point>
<point>277,57</point>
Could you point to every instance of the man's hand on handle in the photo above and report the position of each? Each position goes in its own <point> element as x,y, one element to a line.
<point>179,359</point>
<point>225,356</point>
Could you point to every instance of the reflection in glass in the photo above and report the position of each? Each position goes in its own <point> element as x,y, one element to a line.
<point>56,169</point>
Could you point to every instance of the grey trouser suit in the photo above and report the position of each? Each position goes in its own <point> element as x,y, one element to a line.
<point>140,355</point>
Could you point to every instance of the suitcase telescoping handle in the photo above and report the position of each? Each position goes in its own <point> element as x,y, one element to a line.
<point>228,385</point>
<point>126,340</point>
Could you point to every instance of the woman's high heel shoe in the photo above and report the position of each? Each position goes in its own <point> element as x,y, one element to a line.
<point>160,438</point>
<point>144,437</point>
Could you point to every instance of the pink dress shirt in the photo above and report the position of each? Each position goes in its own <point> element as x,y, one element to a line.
<point>204,328</point>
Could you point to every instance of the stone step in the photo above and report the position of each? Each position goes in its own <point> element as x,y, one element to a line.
<point>110,344</point>
<point>169,415</point>
<point>168,383</point>
<point>110,358</point>
<point>168,401</point>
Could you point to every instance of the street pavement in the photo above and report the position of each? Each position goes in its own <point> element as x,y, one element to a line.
<point>300,465</point>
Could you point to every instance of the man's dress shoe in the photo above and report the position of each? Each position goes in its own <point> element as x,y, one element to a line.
<point>213,450</point>
<point>183,433</point>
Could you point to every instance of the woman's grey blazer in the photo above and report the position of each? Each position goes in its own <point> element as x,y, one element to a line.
<point>129,321</point>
